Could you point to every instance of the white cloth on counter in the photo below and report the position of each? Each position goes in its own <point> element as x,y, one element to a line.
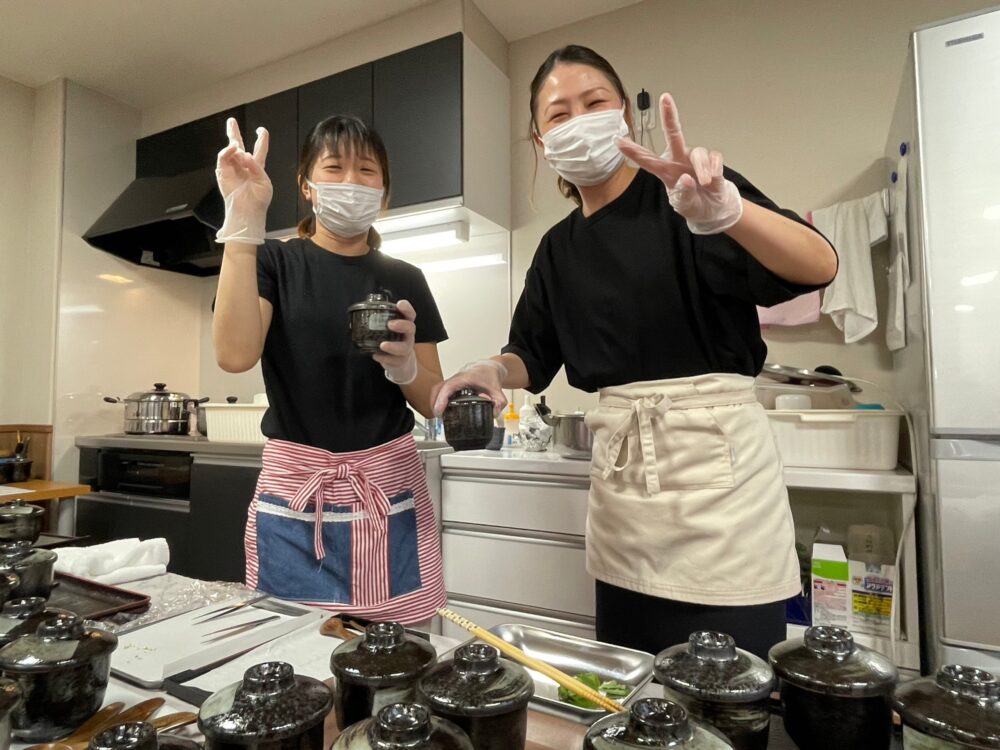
<point>899,262</point>
<point>853,227</point>
<point>120,561</point>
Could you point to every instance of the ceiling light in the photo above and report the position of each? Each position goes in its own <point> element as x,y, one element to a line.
<point>456,264</point>
<point>992,212</point>
<point>425,238</point>
<point>964,308</point>
<point>114,278</point>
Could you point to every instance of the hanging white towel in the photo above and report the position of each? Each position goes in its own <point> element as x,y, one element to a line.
<point>853,227</point>
<point>899,262</point>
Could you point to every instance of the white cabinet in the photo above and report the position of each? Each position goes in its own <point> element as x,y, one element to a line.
<point>515,504</point>
<point>547,573</point>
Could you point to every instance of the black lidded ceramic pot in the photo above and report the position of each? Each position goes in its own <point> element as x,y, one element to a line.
<point>271,708</point>
<point>653,723</point>
<point>369,322</point>
<point>483,694</point>
<point>20,522</point>
<point>139,735</point>
<point>403,726</point>
<point>468,421</point>
<point>957,708</point>
<point>834,692</point>
<point>62,670</point>
<point>35,568</point>
<point>10,698</point>
<point>376,670</point>
<point>23,616</point>
<point>721,685</point>
<point>8,582</point>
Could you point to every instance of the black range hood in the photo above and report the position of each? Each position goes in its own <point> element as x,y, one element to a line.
<point>165,222</point>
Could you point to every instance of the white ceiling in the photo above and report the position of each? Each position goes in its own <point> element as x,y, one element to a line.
<point>145,52</point>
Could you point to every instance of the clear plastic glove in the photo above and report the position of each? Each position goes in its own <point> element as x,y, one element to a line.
<point>486,376</point>
<point>397,357</point>
<point>245,187</point>
<point>693,176</point>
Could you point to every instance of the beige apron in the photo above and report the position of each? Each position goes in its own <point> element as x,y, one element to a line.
<point>687,498</point>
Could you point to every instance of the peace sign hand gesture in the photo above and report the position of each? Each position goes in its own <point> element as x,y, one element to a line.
<point>693,177</point>
<point>245,187</point>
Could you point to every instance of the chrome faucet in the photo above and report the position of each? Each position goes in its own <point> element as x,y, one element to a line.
<point>431,428</point>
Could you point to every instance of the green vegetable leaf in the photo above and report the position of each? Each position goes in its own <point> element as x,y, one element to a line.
<point>610,688</point>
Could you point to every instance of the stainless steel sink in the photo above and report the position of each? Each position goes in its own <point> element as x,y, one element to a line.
<point>431,445</point>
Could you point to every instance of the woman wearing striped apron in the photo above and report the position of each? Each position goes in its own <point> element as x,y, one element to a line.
<point>341,517</point>
<point>647,293</point>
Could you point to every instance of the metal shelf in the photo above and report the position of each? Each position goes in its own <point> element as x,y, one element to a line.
<point>898,481</point>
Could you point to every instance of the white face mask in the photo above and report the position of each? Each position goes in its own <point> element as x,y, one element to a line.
<point>346,209</point>
<point>582,150</point>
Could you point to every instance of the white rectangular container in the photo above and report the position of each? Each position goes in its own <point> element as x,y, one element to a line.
<point>234,423</point>
<point>838,438</point>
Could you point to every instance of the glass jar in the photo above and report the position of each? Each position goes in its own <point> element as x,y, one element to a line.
<point>272,708</point>
<point>720,685</point>
<point>403,726</point>
<point>483,694</point>
<point>653,723</point>
<point>957,708</point>
<point>376,670</point>
<point>834,692</point>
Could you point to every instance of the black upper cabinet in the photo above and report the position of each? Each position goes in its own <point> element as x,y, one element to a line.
<point>346,93</point>
<point>280,115</point>
<point>185,148</point>
<point>418,113</point>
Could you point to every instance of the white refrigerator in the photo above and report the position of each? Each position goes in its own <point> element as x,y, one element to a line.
<point>945,145</point>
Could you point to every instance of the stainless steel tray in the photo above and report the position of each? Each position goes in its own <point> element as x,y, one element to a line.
<point>573,655</point>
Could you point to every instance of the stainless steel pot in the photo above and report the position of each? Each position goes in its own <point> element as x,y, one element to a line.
<point>157,412</point>
<point>570,435</point>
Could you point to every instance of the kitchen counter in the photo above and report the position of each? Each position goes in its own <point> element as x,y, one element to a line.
<point>515,461</point>
<point>198,445</point>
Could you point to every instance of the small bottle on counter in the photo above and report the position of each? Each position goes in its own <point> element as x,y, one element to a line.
<point>511,427</point>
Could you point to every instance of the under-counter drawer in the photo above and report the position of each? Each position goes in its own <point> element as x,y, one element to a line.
<point>487,616</point>
<point>549,573</point>
<point>515,504</point>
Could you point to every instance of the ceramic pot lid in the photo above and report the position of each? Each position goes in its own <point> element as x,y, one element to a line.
<point>710,667</point>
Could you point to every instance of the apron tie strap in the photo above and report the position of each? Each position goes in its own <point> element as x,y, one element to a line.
<point>374,502</point>
<point>643,411</point>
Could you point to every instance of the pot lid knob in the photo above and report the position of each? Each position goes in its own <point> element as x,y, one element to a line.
<point>384,636</point>
<point>159,386</point>
<point>656,720</point>
<point>825,640</point>
<point>22,609</point>
<point>477,660</point>
<point>712,645</point>
<point>406,724</point>
<point>968,681</point>
<point>67,627</point>
<point>269,678</point>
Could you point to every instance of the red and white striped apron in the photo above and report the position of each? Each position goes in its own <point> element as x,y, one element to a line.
<point>351,532</point>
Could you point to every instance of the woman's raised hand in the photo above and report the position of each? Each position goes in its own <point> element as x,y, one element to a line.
<point>695,184</point>
<point>245,187</point>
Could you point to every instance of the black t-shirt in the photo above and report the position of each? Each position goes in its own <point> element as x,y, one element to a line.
<point>322,391</point>
<point>629,294</point>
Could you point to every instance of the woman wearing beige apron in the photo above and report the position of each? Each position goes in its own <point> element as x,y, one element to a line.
<point>646,292</point>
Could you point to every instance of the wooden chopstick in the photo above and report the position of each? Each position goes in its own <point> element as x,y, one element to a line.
<point>561,678</point>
